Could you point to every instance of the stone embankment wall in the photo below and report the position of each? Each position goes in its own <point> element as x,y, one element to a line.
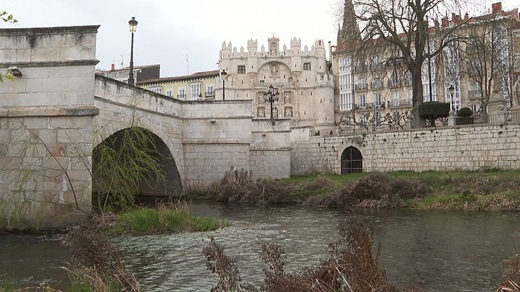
<point>454,148</point>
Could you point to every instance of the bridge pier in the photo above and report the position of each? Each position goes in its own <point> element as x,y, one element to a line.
<point>46,117</point>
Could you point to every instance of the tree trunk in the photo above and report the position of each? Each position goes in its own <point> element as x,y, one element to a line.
<point>417,92</point>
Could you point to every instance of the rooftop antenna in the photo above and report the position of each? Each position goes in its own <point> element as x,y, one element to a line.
<point>187,64</point>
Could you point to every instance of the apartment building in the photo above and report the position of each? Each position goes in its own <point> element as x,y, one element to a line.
<point>376,87</point>
<point>196,86</point>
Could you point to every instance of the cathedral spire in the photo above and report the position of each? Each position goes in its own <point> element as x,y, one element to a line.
<point>350,30</point>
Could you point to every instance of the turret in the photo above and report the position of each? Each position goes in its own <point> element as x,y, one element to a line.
<point>296,59</point>
<point>252,60</point>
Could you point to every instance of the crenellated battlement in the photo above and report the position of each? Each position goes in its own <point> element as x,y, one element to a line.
<point>272,48</point>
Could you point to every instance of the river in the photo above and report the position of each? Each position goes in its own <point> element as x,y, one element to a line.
<point>436,250</point>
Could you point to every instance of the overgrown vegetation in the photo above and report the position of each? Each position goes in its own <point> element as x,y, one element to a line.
<point>512,281</point>
<point>485,189</point>
<point>96,261</point>
<point>165,218</point>
<point>352,265</point>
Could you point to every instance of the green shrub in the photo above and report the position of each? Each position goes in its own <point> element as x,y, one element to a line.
<point>465,112</point>
<point>433,110</point>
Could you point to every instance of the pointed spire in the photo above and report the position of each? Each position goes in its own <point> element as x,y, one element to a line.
<point>350,29</point>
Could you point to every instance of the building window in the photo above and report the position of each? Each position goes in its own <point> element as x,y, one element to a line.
<point>377,99</point>
<point>194,91</point>
<point>346,101</point>
<point>395,98</point>
<point>210,91</point>
<point>182,94</point>
<point>362,101</point>
<point>345,64</point>
<point>156,89</point>
<point>361,84</point>
<point>169,93</point>
<point>426,92</point>
<point>241,69</point>
<point>307,66</point>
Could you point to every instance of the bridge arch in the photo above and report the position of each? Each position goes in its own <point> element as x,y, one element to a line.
<point>351,160</point>
<point>155,146</point>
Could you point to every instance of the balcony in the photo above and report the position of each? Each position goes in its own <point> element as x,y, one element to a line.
<point>210,95</point>
<point>376,85</point>
<point>394,84</point>
<point>360,87</point>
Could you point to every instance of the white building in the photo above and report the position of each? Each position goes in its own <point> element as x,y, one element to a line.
<point>302,77</point>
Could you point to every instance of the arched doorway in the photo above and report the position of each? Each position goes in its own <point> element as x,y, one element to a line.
<point>351,160</point>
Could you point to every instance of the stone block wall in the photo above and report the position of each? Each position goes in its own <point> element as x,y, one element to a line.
<point>45,125</point>
<point>453,148</point>
<point>270,155</point>
<point>216,138</point>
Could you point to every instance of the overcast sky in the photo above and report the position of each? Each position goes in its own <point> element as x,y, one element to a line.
<point>173,31</point>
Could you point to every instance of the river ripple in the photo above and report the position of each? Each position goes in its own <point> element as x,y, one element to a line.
<point>437,250</point>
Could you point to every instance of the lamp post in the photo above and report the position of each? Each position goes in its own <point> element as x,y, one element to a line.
<point>271,96</point>
<point>451,90</point>
<point>133,25</point>
<point>223,75</point>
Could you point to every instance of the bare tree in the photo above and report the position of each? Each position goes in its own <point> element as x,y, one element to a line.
<point>485,59</point>
<point>400,30</point>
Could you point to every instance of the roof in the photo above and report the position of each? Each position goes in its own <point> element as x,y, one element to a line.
<point>197,75</point>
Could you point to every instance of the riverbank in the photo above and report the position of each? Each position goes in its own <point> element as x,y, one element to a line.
<point>486,189</point>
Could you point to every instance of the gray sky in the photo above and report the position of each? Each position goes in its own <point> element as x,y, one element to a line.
<point>171,31</point>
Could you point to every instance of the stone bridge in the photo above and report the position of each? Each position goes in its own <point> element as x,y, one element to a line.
<point>56,110</point>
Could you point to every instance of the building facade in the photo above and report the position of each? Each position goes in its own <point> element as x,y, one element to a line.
<point>197,86</point>
<point>141,73</point>
<point>301,77</point>
<point>376,88</point>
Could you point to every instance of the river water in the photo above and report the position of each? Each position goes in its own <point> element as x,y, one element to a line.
<point>436,250</point>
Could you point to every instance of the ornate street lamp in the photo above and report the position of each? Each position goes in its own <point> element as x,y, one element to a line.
<point>133,26</point>
<point>451,90</point>
<point>271,96</point>
<point>223,75</point>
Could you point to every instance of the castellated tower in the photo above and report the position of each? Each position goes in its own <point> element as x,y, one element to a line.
<point>306,88</point>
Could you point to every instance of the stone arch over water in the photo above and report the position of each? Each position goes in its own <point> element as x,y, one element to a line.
<point>147,186</point>
<point>351,160</point>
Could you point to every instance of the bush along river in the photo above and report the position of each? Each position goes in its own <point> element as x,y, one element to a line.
<point>435,250</point>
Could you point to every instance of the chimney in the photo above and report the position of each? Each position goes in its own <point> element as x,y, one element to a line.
<point>444,22</point>
<point>113,68</point>
<point>458,19</point>
<point>496,7</point>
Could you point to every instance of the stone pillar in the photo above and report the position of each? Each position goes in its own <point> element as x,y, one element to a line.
<point>46,120</point>
<point>497,109</point>
<point>451,118</point>
<point>408,122</point>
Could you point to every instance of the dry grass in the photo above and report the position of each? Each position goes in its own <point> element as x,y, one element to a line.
<point>512,282</point>
<point>352,265</point>
<point>376,190</point>
<point>95,260</point>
